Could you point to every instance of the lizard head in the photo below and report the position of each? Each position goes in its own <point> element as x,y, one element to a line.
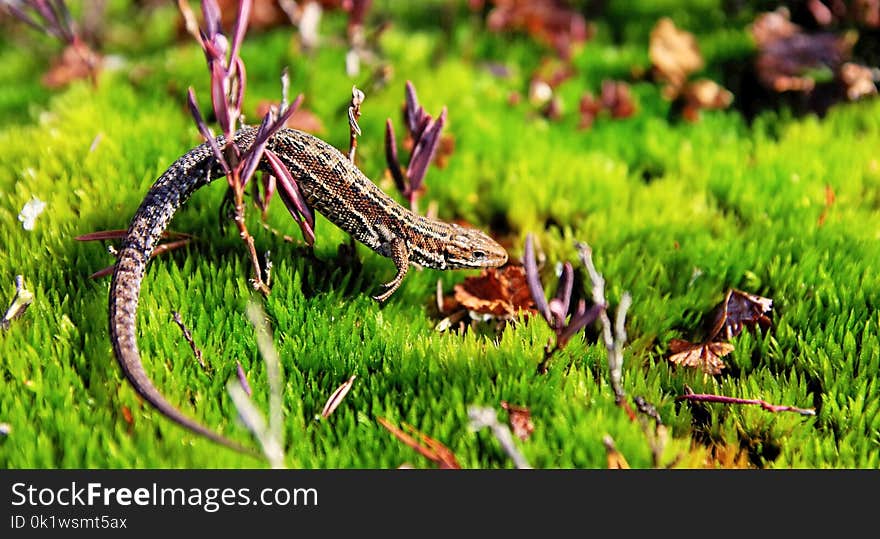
<point>472,248</point>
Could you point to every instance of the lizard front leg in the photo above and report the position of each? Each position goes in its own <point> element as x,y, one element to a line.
<point>399,253</point>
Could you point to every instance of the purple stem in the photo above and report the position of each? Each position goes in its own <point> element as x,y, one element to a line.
<point>703,397</point>
<point>534,281</point>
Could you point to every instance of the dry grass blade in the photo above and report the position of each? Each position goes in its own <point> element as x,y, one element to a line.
<point>337,396</point>
<point>433,450</point>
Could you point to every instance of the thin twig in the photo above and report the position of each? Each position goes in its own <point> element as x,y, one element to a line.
<point>702,397</point>
<point>481,417</point>
<point>20,302</point>
<point>354,113</point>
<point>187,334</point>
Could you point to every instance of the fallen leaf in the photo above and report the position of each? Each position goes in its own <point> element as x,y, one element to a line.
<point>738,309</point>
<point>704,94</point>
<point>501,292</point>
<point>432,450</point>
<point>520,419</point>
<point>674,55</point>
<point>858,81</point>
<point>706,356</point>
<point>789,60</point>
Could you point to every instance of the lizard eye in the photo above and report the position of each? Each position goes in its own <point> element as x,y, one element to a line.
<point>479,255</point>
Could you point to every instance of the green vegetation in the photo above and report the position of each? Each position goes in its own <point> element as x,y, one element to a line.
<point>675,212</point>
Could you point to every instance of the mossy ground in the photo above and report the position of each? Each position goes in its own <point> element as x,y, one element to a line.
<point>675,213</point>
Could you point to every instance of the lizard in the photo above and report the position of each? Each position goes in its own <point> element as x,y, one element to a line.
<point>332,185</point>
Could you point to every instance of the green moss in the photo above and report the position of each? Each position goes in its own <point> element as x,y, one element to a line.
<point>675,213</point>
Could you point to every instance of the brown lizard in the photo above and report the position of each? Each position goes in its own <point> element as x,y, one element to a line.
<point>330,184</point>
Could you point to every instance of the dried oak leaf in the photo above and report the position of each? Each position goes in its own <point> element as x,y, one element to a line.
<point>706,356</point>
<point>674,56</point>
<point>739,309</point>
<point>520,419</point>
<point>501,292</point>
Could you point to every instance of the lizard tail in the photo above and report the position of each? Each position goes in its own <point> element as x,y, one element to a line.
<point>168,193</point>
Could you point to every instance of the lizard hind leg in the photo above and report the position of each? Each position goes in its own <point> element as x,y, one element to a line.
<point>399,253</point>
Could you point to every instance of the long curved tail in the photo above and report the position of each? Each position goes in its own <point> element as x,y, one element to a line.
<point>171,190</point>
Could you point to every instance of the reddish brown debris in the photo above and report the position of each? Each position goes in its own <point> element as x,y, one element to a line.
<point>787,56</point>
<point>429,448</point>
<point>77,61</point>
<point>520,419</point>
<point>551,22</point>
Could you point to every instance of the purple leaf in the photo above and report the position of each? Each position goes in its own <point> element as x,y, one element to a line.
<point>392,160</point>
<point>205,130</point>
<point>268,191</point>
<point>413,111</point>
<point>211,12</point>
<point>241,78</point>
<point>563,293</point>
<point>240,28</point>
<point>534,280</point>
<point>423,152</point>
<point>292,197</point>
<point>579,320</point>
<point>251,158</point>
<point>218,96</point>
<point>288,112</point>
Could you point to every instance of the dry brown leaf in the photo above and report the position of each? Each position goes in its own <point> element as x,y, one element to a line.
<point>674,56</point>
<point>501,292</point>
<point>739,309</point>
<point>787,55</point>
<point>520,419</point>
<point>706,356</point>
<point>704,94</point>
